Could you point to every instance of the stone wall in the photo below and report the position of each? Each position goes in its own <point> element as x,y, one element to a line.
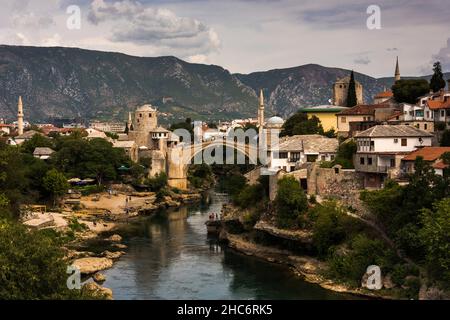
<point>336,182</point>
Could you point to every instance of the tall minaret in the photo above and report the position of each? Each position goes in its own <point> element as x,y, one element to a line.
<point>130,122</point>
<point>261,110</point>
<point>20,116</point>
<point>397,71</point>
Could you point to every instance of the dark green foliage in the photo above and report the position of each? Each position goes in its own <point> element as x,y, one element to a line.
<point>186,125</point>
<point>409,90</point>
<point>112,135</point>
<point>351,94</point>
<point>344,156</point>
<point>32,265</point>
<point>94,158</point>
<point>329,226</point>
<point>249,196</point>
<point>234,184</point>
<point>445,139</point>
<point>158,182</point>
<point>55,183</point>
<point>437,81</point>
<point>290,201</point>
<point>299,123</point>
<point>435,236</point>
<point>363,252</point>
<point>200,176</point>
<point>416,216</point>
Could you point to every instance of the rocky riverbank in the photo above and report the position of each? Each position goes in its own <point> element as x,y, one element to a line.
<point>92,221</point>
<point>307,267</point>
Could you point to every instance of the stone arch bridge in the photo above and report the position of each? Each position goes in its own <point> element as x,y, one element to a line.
<point>179,158</point>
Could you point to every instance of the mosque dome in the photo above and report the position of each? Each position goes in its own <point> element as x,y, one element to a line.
<point>275,121</point>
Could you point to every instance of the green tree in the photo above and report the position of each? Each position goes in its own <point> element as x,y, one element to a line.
<point>409,90</point>
<point>55,183</point>
<point>351,94</point>
<point>290,201</point>
<point>329,226</point>
<point>299,123</point>
<point>32,265</point>
<point>435,235</point>
<point>437,81</point>
<point>445,139</point>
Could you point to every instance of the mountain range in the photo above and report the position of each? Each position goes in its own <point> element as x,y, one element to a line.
<point>72,83</point>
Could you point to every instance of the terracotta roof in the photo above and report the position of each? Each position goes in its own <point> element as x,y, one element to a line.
<point>364,109</point>
<point>427,153</point>
<point>384,94</point>
<point>438,104</point>
<point>386,130</point>
<point>440,165</point>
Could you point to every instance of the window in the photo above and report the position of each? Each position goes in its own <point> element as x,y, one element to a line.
<point>295,156</point>
<point>404,142</point>
<point>442,113</point>
<point>372,145</point>
<point>369,161</point>
<point>322,158</point>
<point>392,163</point>
<point>332,157</point>
<point>311,158</point>
<point>140,115</point>
<point>149,115</point>
<point>282,155</point>
<point>361,161</point>
<point>395,140</point>
<point>425,126</point>
<point>343,119</point>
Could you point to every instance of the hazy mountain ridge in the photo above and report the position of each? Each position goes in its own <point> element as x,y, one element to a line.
<point>72,82</point>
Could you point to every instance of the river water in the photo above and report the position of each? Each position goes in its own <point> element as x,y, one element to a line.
<point>171,257</point>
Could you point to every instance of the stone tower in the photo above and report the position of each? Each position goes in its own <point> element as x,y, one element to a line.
<point>261,110</point>
<point>145,120</point>
<point>397,71</point>
<point>20,116</point>
<point>340,92</point>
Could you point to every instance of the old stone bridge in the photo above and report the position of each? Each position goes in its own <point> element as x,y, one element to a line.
<point>179,158</point>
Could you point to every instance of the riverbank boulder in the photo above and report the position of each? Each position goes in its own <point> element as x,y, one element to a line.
<point>113,255</point>
<point>114,238</point>
<point>99,278</point>
<point>92,265</point>
<point>98,291</point>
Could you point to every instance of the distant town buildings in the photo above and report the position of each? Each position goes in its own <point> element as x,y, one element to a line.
<point>114,127</point>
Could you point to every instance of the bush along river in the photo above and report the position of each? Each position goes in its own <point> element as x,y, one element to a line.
<point>170,256</point>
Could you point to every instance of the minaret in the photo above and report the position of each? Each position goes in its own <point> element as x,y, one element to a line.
<point>20,116</point>
<point>130,122</point>
<point>261,110</point>
<point>397,71</point>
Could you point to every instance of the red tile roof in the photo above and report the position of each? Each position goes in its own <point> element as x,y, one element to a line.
<point>427,153</point>
<point>385,94</point>
<point>438,104</point>
<point>440,165</point>
<point>363,109</point>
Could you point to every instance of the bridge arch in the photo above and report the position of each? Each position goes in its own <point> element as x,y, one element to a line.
<point>179,159</point>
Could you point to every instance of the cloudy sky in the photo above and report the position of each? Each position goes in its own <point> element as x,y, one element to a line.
<point>244,35</point>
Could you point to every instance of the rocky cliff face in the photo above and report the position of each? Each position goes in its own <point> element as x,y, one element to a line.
<point>76,83</point>
<point>68,83</point>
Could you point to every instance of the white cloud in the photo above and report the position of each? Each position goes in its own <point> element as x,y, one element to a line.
<point>444,57</point>
<point>133,22</point>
